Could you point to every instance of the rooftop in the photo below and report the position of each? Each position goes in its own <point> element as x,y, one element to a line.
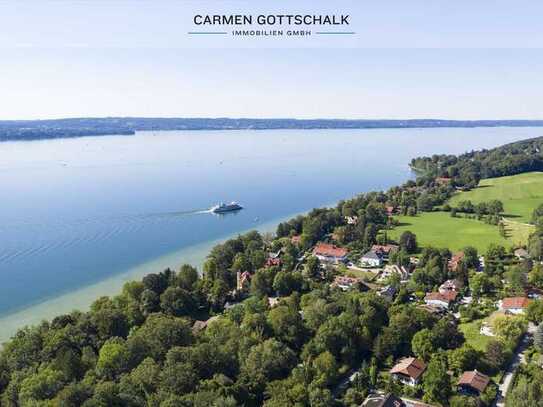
<point>474,379</point>
<point>329,250</point>
<point>411,367</point>
<point>515,302</point>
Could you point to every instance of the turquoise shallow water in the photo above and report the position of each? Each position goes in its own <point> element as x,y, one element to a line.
<point>81,216</point>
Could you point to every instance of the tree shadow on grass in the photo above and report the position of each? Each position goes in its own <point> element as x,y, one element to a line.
<point>404,224</point>
<point>510,216</point>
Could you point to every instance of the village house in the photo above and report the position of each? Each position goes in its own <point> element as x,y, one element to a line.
<point>440,299</point>
<point>472,383</point>
<point>383,400</point>
<point>272,261</point>
<point>408,371</point>
<point>371,259</point>
<point>391,210</point>
<point>455,261</point>
<point>199,326</point>
<point>391,269</point>
<point>273,301</point>
<point>346,283</point>
<point>384,251</point>
<point>243,281</point>
<point>433,309</point>
<point>514,305</point>
<point>443,180</point>
<point>330,253</point>
<point>450,286</point>
<point>522,254</point>
<point>388,292</point>
<point>351,220</point>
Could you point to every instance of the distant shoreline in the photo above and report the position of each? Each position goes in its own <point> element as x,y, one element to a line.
<point>31,130</point>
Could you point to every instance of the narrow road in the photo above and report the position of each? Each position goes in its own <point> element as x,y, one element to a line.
<point>516,360</point>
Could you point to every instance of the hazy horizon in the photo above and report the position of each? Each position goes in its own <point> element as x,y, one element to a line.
<point>462,60</point>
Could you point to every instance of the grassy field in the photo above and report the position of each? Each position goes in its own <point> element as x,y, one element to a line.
<point>520,194</point>
<point>473,336</point>
<point>439,229</point>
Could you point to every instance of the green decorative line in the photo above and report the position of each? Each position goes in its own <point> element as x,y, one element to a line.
<point>336,32</point>
<point>207,32</point>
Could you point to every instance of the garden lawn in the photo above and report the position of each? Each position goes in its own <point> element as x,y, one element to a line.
<point>439,229</point>
<point>520,194</point>
<point>473,336</point>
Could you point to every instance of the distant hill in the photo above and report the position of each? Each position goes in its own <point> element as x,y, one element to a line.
<point>79,127</point>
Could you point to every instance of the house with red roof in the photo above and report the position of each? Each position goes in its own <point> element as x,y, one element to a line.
<point>443,180</point>
<point>450,285</point>
<point>243,280</point>
<point>514,305</point>
<point>455,261</point>
<point>408,371</point>
<point>272,261</point>
<point>472,383</point>
<point>384,250</point>
<point>330,253</point>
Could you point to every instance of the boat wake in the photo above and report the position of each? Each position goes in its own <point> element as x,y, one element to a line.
<point>62,235</point>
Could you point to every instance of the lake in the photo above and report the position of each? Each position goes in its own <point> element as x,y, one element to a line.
<point>81,216</point>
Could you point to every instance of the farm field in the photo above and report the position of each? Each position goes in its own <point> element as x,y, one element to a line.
<point>439,229</point>
<point>520,194</point>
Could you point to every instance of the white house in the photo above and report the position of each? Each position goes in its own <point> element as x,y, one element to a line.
<point>440,299</point>
<point>514,305</point>
<point>391,269</point>
<point>371,259</point>
<point>330,253</point>
<point>408,371</point>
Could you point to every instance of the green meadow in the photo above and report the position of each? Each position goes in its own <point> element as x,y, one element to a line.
<point>439,229</point>
<point>520,195</point>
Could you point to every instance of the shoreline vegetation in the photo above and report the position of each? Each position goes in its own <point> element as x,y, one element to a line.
<point>275,320</point>
<point>27,130</point>
<point>81,298</point>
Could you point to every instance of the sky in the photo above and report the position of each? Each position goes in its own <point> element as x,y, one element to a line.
<point>406,59</point>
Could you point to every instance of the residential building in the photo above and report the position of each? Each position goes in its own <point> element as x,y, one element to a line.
<point>522,254</point>
<point>472,383</point>
<point>346,283</point>
<point>382,400</point>
<point>384,251</point>
<point>455,261</point>
<point>387,293</point>
<point>243,280</point>
<point>391,269</point>
<point>391,210</point>
<point>272,261</point>
<point>351,220</point>
<point>330,253</point>
<point>199,326</point>
<point>450,286</point>
<point>443,180</point>
<point>371,259</point>
<point>408,371</point>
<point>514,305</point>
<point>440,299</point>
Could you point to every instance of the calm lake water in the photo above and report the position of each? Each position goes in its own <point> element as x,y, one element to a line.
<point>81,216</point>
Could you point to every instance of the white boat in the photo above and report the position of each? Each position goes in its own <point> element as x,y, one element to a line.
<point>223,208</point>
